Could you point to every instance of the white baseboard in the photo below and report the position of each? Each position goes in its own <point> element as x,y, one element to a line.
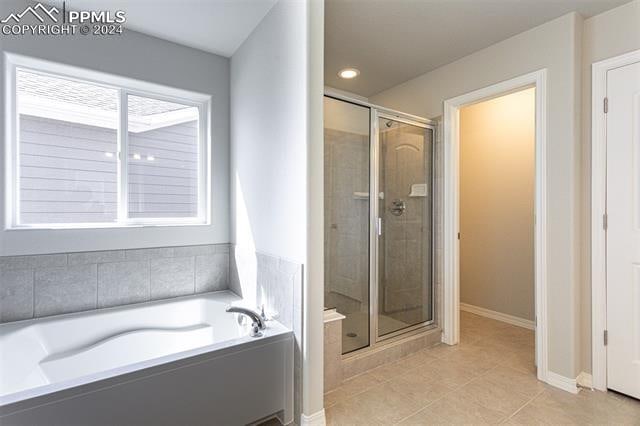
<point>585,380</point>
<point>498,316</point>
<point>561,382</point>
<point>315,419</point>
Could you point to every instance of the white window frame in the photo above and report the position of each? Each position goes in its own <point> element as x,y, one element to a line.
<point>126,87</point>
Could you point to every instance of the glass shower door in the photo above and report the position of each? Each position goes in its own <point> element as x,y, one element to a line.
<point>346,227</point>
<point>404,243</point>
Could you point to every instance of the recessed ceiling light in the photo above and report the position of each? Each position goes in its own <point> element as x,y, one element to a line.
<point>349,73</point>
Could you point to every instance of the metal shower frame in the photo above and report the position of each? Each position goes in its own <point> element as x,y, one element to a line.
<point>377,112</point>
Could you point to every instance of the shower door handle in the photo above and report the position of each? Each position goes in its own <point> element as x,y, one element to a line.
<point>379,226</point>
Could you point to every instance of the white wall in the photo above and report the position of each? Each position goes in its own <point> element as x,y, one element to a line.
<point>556,47</point>
<point>609,34</point>
<point>277,158</point>
<point>137,56</point>
<point>313,292</point>
<point>268,132</point>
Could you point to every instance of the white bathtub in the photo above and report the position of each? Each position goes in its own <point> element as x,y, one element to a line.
<point>47,362</point>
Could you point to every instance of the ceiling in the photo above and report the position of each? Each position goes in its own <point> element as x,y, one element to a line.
<point>215,26</point>
<point>392,41</point>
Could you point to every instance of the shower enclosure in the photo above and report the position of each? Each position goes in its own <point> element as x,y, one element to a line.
<point>378,221</point>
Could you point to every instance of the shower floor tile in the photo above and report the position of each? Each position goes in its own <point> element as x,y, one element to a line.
<point>488,378</point>
<point>355,329</point>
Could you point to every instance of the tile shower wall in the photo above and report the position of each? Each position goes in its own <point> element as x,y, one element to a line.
<point>346,226</point>
<point>276,283</point>
<point>405,246</point>
<point>346,230</point>
<point>53,284</point>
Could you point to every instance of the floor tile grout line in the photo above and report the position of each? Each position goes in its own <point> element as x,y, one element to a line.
<point>448,393</point>
<point>444,395</point>
<point>438,357</point>
<point>422,409</point>
<point>479,376</point>
<point>383,381</point>
<point>523,406</point>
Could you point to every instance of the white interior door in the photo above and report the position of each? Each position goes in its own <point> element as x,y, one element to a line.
<point>623,233</point>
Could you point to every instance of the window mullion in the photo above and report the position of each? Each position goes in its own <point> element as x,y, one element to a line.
<point>13,153</point>
<point>123,155</point>
<point>203,166</point>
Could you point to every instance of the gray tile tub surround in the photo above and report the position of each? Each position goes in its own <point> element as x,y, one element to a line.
<point>122,283</point>
<point>269,281</point>
<point>53,284</point>
<point>16,294</point>
<point>275,283</point>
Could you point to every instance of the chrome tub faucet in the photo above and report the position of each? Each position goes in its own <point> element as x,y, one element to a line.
<point>258,320</point>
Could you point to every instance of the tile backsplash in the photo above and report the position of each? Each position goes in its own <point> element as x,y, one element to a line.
<point>53,284</point>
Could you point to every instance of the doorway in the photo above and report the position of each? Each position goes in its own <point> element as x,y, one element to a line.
<point>497,162</point>
<point>615,223</point>
<point>452,204</point>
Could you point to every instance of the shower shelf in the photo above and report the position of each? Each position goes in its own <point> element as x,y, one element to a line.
<point>418,190</point>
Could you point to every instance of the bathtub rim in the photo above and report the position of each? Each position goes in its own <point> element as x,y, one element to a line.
<point>275,331</point>
<point>233,297</point>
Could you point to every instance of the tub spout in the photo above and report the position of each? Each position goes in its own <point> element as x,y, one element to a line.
<point>256,318</point>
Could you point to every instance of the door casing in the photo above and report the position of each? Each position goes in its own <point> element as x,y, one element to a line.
<point>451,313</point>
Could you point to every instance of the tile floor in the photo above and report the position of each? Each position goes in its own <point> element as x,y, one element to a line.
<point>488,379</point>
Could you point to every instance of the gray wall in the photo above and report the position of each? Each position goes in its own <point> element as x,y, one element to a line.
<point>556,47</point>
<point>54,284</point>
<point>146,58</point>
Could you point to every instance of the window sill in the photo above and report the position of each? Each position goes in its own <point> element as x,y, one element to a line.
<point>19,241</point>
<point>76,227</point>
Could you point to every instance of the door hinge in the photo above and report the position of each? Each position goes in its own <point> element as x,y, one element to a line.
<point>605,221</point>
<point>606,337</point>
<point>458,235</point>
<point>606,105</point>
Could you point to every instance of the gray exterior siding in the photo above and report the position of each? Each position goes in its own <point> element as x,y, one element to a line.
<point>66,176</point>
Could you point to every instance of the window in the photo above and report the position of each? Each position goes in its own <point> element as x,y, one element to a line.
<point>163,158</point>
<point>100,152</point>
